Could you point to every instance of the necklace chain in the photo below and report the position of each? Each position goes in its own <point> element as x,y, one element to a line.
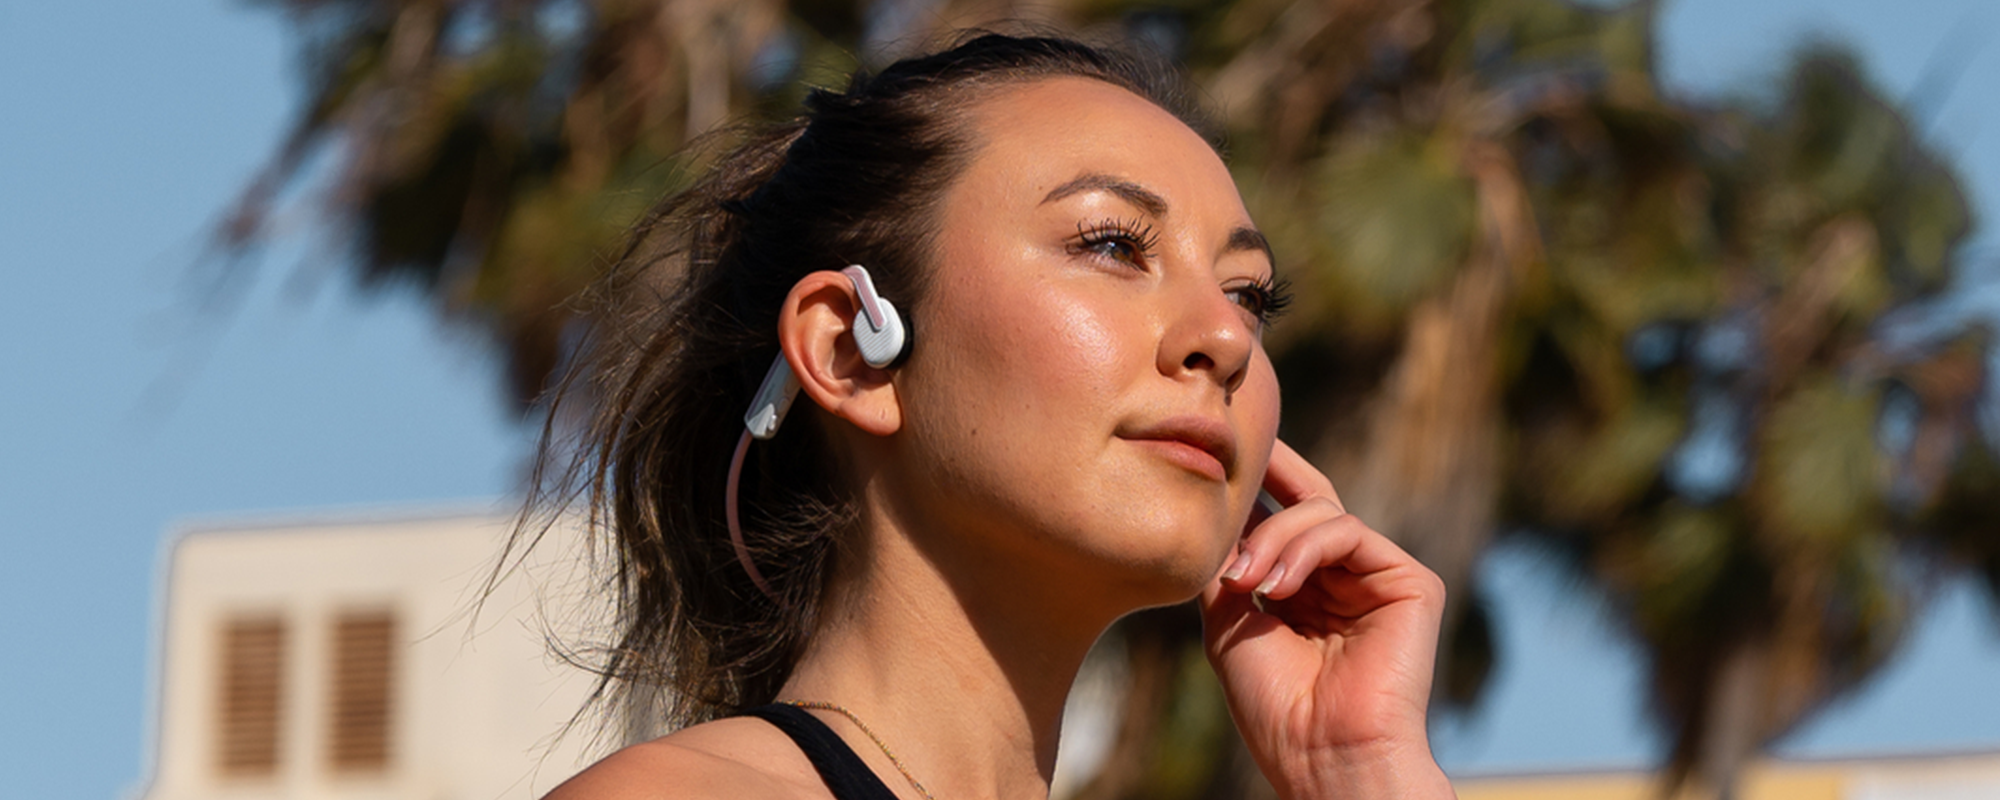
<point>842,710</point>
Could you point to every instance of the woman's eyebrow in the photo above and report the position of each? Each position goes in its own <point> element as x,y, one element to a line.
<point>1242,238</point>
<point>1246,238</point>
<point>1147,201</point>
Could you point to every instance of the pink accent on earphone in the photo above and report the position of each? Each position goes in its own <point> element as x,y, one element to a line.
<point>871,303</point>
<point>736,526</point>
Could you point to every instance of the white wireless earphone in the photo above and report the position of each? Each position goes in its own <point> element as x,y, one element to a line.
<point>878,331</point>
<point>883,340</point>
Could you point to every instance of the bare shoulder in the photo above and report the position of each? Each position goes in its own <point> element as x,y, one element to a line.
<point>728,759</point>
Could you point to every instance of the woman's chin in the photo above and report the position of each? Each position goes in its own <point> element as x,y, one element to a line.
<point>1164,578</point>
<point>1118,560</point>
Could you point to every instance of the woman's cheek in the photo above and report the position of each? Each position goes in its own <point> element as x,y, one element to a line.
<point>1086,339</point>
<point>1269,399</point>
<point>1271,408</point>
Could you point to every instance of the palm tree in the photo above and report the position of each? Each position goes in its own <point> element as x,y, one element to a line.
<point>1642,332</point>
<point>1670,340</point>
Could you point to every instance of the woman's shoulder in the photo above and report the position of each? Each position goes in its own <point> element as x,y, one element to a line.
<point>739,758</point>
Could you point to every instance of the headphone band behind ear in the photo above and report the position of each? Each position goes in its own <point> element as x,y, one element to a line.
<point>878,331</point>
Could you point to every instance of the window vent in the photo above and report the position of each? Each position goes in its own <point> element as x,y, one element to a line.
<point>363,696</point>
<point>252,696</point>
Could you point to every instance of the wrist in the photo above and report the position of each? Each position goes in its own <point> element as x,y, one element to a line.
<point>1394,769</point>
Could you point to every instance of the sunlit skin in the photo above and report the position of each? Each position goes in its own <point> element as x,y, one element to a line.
<point>1090,312</point>
<point>1080,431</point>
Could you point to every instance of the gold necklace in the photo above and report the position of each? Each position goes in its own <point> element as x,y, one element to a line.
<point>842,710</point>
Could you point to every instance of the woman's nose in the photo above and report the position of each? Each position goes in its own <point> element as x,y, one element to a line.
<point>1207,337</point>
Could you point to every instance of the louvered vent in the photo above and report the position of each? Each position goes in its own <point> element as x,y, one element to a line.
<point>251,712</point>
<point>363,691</point>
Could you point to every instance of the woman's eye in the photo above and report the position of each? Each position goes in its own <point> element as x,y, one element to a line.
<point>1118,248</point>
<point>1251,298</point>
<point>1265,299</point>
<point>1118,240</point>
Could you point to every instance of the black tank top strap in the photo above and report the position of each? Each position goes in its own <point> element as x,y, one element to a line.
<point>846,775</point>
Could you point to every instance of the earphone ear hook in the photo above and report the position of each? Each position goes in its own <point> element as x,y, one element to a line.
<point>879,334</point>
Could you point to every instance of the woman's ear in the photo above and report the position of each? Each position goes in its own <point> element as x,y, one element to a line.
<point>815,329</point>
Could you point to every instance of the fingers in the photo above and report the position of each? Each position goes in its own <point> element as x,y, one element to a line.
<point>1260,551</point>
<point>1291,547</point>
<point>1313,532</point>
<point>1291,479</point>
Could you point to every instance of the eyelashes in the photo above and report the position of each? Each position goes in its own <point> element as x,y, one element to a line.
<point>1266,299</point>
<point>1128,241</point>
<point>1133,243</point>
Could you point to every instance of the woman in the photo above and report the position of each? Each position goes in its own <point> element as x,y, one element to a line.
<point>912,567</point>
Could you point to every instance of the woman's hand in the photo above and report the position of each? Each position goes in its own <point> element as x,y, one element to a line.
<point>1330,679</point>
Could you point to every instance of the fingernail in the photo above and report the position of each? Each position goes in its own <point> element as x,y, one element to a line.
<point>1236,570</point>
<point>1276,574</point>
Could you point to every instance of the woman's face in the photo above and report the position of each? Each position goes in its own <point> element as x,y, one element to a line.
<point>1088,396</point>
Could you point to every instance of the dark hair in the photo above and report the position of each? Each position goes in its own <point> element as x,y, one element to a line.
<point>684,326</point>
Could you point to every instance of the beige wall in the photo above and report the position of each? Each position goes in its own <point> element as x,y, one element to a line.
<point>475,707</point>
<point>1760,785</point>
<point>1969,776</point>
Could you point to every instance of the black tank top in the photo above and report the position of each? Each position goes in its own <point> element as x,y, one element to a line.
<point>846,775</point>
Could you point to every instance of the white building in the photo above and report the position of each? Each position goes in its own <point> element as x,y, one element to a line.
<point>341,659</point>
<point>337,659</point>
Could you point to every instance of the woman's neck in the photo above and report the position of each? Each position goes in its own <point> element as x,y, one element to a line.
<point>964,678</point>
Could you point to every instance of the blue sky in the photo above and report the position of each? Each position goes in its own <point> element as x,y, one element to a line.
<point>126,126</point>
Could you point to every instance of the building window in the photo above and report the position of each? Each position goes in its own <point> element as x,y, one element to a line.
<point>251,695</point>
<point>362,701</point>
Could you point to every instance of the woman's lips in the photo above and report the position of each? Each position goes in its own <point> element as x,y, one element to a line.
<point>1201,445</point>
